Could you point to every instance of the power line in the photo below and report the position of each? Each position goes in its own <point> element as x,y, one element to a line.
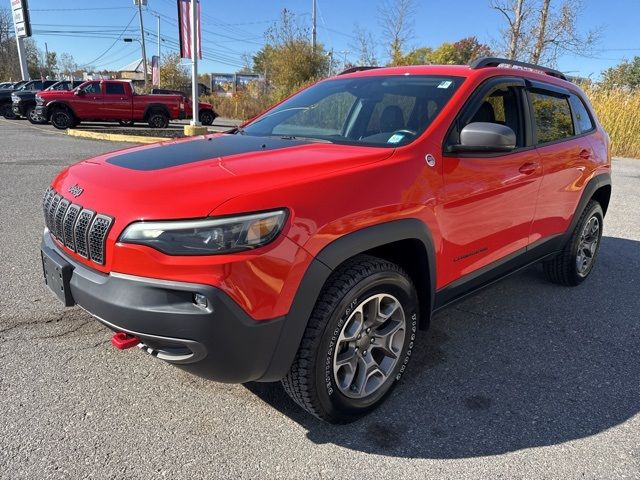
<point>114,42</point>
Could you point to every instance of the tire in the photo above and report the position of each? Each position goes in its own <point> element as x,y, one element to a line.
<point>158,119</point>
<point>33,117</point>
<point>126,123</point>
<point>573,265</point>
<point>207,117</point>
<point>7,112</point>
<point>62,118</point>
<point>337,393</point>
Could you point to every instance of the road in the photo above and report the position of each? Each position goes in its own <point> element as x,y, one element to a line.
<point>525,380</point>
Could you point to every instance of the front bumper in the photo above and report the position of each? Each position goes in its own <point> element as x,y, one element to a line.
<point>220,342</point>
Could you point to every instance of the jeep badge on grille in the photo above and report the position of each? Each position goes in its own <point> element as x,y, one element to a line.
<point>76,190</point>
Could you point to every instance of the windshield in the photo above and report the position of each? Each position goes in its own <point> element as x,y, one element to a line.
<point>384,111</point>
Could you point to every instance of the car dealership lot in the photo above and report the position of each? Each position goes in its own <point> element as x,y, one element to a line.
<point>524,380</point>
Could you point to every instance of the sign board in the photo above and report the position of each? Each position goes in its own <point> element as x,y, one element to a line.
<point>21,22</point>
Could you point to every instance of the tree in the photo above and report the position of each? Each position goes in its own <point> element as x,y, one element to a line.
<point>288,60</point>
<point>457,53</point>
<point>365,45</point>
<point>173,74</point>
<point>396,21</point>
<point>9,64</point>
<point>543,38</point>
<point>625,74</point>
<point>68,64</point>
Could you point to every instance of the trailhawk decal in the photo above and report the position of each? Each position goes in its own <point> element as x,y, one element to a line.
<point>182,153</point>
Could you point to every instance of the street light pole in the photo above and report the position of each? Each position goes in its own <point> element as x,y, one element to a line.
<point>144,50</point>
<point>157,15</point>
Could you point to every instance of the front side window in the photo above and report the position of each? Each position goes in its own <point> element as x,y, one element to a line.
<point>115,89</point>
<point>584,123</point>
<point>384,111</point>
<point>92,88</point>
<point>552,116</point>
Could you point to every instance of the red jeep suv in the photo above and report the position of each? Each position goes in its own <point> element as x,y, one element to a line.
<point>311,244</point>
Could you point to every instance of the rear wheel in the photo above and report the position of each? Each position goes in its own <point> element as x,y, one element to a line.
<point>574,264</point>
<point>158,119</point>
<point>357,343</point>
<point>62,118</point>
<point>206,117</point>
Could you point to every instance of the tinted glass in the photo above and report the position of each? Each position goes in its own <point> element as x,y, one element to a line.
<point>552,117</point>
<point>583,119</point>
<point>115,89</point>
<point>501,106</point>
<point>92,88</point>
<point>376,110</point>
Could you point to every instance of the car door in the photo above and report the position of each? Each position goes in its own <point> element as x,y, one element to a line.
<point>88,101</point>
<point>561,134</point>
<point>117,105</point>
<point>490,198</point>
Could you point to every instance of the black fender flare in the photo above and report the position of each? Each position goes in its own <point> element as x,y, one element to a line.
<point>590,190</point>
<point>321,267</point>
<point>51,106</point>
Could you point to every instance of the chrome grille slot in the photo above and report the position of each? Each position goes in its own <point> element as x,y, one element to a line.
<point>52,210</point>
<point>68,224</point>
<point>81,230</point>
<point>97,236</point>
<point>59,217</point>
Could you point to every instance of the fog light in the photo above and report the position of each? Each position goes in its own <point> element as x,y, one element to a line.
<point>200,300</point>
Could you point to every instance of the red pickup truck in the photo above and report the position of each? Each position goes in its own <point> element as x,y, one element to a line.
<point>114,101</point>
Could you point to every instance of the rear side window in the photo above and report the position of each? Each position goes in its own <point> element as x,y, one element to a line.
<point>552,116</point>
<point>115,89</point>
<point>584,123</point>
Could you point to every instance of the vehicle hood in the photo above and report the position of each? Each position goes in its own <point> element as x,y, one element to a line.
<point>189,178</point>
<point>51,94</point>
<point>25,95</point>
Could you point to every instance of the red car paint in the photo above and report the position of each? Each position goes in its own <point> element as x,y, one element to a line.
<point>478,210</point>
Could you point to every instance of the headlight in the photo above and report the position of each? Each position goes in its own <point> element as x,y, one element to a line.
<point>207,236</point>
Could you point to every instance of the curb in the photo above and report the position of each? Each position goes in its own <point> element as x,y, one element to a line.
<point>115,137</point>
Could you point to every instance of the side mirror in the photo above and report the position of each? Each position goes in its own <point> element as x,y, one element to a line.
<point>486,137</point>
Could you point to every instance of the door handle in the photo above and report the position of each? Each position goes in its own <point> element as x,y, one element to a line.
<point>528,168</point>
<point>585,154</point>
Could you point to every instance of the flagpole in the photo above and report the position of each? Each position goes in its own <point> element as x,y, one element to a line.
<point>194,64</point>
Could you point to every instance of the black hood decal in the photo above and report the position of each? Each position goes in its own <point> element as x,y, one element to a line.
<point>183,153</point>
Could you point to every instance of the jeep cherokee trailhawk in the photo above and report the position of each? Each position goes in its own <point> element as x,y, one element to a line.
<point>311,244</point>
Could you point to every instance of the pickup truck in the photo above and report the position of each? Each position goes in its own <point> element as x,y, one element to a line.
<point>6,108</point>
<point>24,102</point>
<point>112,101</point>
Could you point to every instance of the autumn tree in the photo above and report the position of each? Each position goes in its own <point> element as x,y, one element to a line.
<point>365,46</point>
<point>173,74</point>
<point>461,52</point>
<point>625,74</point>
<point>288,59</point>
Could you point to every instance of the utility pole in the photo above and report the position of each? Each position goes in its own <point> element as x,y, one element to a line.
<point>144,50</point>
<point>46,56</point>
<point>194,65</point>
<point>314,29</point>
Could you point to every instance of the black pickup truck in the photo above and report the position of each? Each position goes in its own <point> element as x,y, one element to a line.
<point>24,102</point>
<point>6,108</point>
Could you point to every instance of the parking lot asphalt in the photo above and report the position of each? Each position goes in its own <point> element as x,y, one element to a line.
<point>524,380</point>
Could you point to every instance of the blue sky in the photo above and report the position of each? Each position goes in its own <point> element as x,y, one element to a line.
<point>232,28</point>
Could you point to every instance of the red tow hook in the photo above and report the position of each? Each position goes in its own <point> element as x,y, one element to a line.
<point>123,340</point>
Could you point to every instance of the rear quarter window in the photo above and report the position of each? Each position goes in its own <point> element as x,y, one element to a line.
<point>584,122</point>
<point>552,116</point>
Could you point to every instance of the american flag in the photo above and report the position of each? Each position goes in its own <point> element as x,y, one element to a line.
<point>184,24</point>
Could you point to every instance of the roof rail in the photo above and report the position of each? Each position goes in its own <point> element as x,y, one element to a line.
<point>495,61</point>
<point>357,69</point>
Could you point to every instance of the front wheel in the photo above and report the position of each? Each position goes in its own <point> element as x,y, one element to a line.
<point>7,112</point>
<point>573,265</point>
<point>33,117</point>
<point>62,119</point>
<point>358,341</point>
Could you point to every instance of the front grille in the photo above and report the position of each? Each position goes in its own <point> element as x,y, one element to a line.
<point>79,229</point>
